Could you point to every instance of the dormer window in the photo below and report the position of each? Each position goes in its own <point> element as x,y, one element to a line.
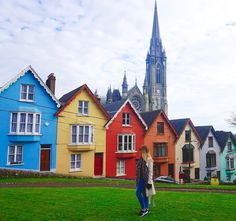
<point>83,107</point>
<point>27,92</point>
<point>126,119</point>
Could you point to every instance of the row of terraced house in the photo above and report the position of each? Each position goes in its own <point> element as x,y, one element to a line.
<point>77,135</point>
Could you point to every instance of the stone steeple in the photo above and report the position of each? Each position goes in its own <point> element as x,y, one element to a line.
<point>155,78</point>
<point>124,87</point>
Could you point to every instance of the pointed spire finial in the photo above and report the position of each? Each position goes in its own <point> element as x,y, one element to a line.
<point>155,27</point>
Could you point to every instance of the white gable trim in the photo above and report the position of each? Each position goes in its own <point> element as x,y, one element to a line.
<point>22,73</point>
<point>127,101</point>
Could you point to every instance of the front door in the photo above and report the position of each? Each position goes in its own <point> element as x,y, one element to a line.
<point>171,170</point>
<point>156,170</point>
<point>98,164</point>
<point>45,158</point>
<point>197,173</point>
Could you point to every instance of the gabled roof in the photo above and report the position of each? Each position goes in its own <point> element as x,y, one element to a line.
<point>180,124</point>
<point>134,89</point>
<point>114,109</point>
<point>69,95</point>
<point>149,118</point>
<point>67,98</point>
<point>204,131</point>
<point>222,138</point>
<point>31,70</point>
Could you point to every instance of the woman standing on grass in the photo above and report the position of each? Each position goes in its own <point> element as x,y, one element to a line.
<point>144,182</point>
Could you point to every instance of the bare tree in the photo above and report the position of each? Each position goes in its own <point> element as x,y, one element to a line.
<point>232,120</point>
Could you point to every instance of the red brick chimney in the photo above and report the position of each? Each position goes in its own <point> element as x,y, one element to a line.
<point>51,82</point>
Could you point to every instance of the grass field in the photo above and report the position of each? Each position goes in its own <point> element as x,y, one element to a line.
<point>97,203</point>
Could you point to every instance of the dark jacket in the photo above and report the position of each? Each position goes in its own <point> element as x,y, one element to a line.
<point>141,171</point>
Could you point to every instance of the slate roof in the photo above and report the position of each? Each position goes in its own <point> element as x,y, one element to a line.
<point>116,95</point>
<point>68,96</point>
<point>179,124</point>
<point>113,107</point>
<point>149,117</point>
<point>203,132</point>
<point>222,138</point>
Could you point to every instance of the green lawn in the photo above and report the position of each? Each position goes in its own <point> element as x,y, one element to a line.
<point>99,203</point>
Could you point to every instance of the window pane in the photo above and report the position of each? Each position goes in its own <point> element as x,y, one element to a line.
<point>11,149</point>
<point>125,143</point>
<point>72,157</point>
<point>37,124</point>
<point>14,122</point>
<point>120,143</point>
<point>91,131</point>
<point>30,123</point>
<point>11,158</point>
<point>86,107</point>
<point>81,134</point>
<point>19,149</point>
<point>31,89</point>
<point>23,92</point>
<point>86,136</point>
<point>22,122</point>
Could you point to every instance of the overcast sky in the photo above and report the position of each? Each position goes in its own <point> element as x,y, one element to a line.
<point>95,41</point>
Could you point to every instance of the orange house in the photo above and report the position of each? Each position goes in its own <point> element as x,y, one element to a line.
<point>160,138</point>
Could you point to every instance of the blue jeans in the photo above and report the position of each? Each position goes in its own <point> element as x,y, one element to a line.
<point>141,194</point>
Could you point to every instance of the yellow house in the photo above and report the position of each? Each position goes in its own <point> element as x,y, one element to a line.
<point>187,149</point>
<point>81,135</point>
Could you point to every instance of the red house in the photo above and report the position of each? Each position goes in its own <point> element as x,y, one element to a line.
<point>125,136</point>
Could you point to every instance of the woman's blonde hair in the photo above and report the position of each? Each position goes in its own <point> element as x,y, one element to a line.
<point>145,153</point>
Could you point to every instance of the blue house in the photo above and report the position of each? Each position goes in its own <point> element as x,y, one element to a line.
<point>228,155</point>
<point>28,126</point>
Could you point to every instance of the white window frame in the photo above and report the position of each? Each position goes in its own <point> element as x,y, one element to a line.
<point>229,163</point>
<point>16,146</point>
<point>26,124</point>
<point>90,134</point>
<point>120,168</point>
<point>27,92</point>
<point>126,119</point>
<point>123,147</point>
<point>78,158</point>
<point>82,112</point>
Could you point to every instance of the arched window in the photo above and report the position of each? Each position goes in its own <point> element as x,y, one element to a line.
<point>211,159</point>
<point>187,153</point>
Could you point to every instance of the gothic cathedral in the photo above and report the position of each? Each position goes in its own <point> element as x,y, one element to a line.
<point>154,96</point>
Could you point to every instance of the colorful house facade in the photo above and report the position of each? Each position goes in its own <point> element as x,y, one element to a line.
<point>187,149</point>
<point>228,155</point>
<point>81,141</point>
<point>160,138</point>
<point>209,153</point>
<point>28,125</point>
<point>125,136</point>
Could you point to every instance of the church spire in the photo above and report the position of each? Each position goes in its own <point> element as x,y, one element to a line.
<point>155,27</point>
<point>124,87</point>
